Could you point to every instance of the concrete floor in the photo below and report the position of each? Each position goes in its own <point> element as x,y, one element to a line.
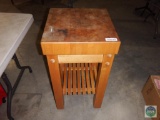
<point>137,59</point>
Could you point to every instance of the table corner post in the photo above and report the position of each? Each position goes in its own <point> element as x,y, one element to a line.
<point>102,80</point>
<point>56,80</point>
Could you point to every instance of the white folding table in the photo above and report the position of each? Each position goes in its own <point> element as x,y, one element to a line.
<point>13,28</point>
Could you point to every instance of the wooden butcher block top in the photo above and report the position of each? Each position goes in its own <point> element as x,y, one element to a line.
<point>79,31</point>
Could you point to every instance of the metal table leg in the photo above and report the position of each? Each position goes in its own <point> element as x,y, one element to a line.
<point>144,8</point>
<point>9,95</point>
<point>11,90</point>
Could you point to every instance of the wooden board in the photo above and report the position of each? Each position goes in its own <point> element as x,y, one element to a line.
<point>79,31</point>
<point>80,78</point>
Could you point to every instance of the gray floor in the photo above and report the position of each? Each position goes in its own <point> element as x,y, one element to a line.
<point>137,59</point>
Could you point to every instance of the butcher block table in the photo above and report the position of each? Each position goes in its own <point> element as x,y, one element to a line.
<point>80,45</point>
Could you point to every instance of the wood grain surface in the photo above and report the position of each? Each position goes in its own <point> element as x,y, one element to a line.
<point>79,31</point>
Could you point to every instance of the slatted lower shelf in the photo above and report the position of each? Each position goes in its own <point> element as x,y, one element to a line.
<point>78,78</point>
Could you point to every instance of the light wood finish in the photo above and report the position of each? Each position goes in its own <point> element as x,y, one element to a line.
<point>75,38</point>
<point>80,79</point>
<point>91,70</point>
<point>64,79</point>
<point>69,79</point>
<point>87,78</point>
<point>95,69</point>
<point>56,80</point>
<point>74,79</point>
<point>102,80</point>
<point>79,32</point>
<point>50,48</point>
<point>83,78</point>
<point>80,58</point>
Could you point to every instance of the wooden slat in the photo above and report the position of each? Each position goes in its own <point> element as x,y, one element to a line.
<point>80,58</point>
<point>65,80</point>
<point>61,71</point>
<point>95,67</point>
<point>79,78</point>
<point>92,79</point>
<point>87,79</point>
<point>83,79</point>
<point>69,79</point>
<point>76,68</point>
<point>74,79</point>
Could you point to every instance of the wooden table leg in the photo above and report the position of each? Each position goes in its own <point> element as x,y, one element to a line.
<point>56,80</point>
<point>102,79</point>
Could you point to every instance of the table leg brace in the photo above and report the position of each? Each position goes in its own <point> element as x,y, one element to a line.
<point>11,90</point>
